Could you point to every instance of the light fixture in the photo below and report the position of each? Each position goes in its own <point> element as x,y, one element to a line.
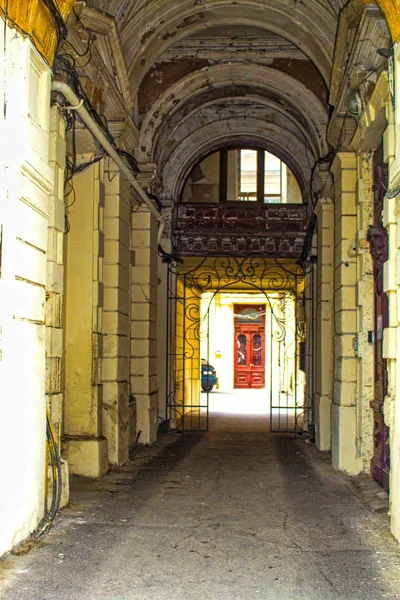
<point>353,103</point>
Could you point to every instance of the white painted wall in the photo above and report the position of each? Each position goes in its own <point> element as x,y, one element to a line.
<point>26,181</point>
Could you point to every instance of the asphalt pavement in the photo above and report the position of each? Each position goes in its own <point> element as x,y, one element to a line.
<point>224,515</point>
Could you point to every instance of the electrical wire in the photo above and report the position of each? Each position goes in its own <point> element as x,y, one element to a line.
<point>56,476</point>
<point>61,28</point>
<point>328,158</point>
<point>65,67</point>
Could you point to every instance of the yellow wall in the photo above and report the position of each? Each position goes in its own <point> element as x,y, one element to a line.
<point>32,18</point>
<point>391,11</point>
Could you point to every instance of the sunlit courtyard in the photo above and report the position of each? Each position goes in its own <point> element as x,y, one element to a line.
<point>247,410</point>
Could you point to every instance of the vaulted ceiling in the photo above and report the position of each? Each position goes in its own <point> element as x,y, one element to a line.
<point>208,73</point>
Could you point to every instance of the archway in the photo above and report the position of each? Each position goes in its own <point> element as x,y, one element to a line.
<point>193,287</point>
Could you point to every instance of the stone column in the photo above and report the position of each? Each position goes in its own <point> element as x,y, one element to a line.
<point>324,323</point>
<point>116,315</point>
<point>86,445</point>
<point>143,370</point>
<point>344,410</point>
<point>165,318</point>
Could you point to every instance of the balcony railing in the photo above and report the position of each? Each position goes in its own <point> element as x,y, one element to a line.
<point>215,229</point>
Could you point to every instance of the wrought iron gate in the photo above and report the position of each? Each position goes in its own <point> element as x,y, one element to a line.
<point>193,285</point>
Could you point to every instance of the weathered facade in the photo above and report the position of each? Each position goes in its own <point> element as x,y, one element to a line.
<point>109,111</point>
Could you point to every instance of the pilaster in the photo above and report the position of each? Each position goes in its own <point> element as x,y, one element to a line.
<point>86,446</point>
<point>143,368</point>
<point>116,315</point>
<point>344,408</point>
<point>324,323</point>
<point>310,301</point>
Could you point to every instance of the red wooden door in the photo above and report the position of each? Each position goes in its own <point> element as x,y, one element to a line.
<point>377,236</point>
<point>249,344</point>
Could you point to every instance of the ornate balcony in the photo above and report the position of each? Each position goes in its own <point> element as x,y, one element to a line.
<point>216,229</point>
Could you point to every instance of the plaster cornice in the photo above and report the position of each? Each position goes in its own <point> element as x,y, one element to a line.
<point>343,161</point>
<point>373,121</point>
<point>322,205</point>
<point>105,26</point>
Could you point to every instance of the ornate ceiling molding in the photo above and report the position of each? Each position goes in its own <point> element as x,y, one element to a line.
<point>148,32</point>
<point>357,66</point>
<point>262,108</point>
<point>104,76</point>
<point>285,93</point>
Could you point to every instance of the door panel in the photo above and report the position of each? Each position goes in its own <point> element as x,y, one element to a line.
<point>249,344</point>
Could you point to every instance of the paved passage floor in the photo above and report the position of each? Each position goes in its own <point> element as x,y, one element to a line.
<point>222,515</point>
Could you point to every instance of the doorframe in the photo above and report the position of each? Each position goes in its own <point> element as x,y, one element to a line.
<point>251,330</point>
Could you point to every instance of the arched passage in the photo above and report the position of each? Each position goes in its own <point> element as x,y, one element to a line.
<point>266,352</point>
<point>246,131</point>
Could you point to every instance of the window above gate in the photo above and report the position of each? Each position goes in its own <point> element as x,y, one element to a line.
<point>242,175</point>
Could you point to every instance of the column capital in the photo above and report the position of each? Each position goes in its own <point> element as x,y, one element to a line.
<point>322,205</point>
<point>343,161</point>
<point>146,175</point>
